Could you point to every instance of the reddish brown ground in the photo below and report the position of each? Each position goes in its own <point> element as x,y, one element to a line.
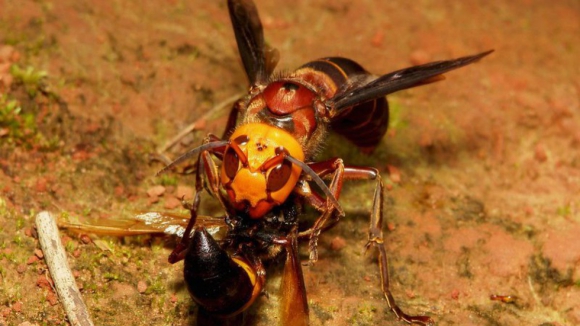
<point>485,179</point>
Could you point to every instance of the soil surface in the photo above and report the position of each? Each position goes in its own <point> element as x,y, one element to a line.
<point>482,170</point>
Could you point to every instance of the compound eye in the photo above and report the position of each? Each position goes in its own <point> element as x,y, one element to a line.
<point>279,175</point>
<point>231,163</point>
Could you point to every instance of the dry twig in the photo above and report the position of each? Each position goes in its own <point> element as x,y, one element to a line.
<point>55,258</point>
<point>191,127</point>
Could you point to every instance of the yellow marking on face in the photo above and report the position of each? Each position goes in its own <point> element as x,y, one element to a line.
<point>250,182</point>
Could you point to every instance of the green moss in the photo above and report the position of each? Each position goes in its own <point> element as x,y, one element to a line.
<point>565,210</point>
<point>322,314</point>
<point>86,211</point>
<point>157,285</point>
<point>16,125</point>
<point>18,122</point>
<point>70,246</point>
<point>4,211</point>
<point>396,121</point>
<point>111,276</point>
<point>546,277</point>
<point>17,240</point>
<point>89,287</point>
<point>20,222</point>
<point>30,77</point>
<point>168,180</point>
<point>365,315</point>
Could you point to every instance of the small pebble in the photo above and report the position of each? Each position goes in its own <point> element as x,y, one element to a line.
<point>52,298</point>
<point>419,57</point>
<point>152,200</point>
<point>156,191</point>
<point>43,282</point>
<point>540,153</point>
<point>6,311</point>
<point>27,323</point>
<point>17,306</point>
<point>119,191</point>
<point>184,192</point>
<point>394,174</point>
<point>141,287</point>
<point>169,189</point>
<point>455,294</point>
<point>337,243</point>
<point>171,203</point>
<point>41,185</point>
<point>21,268</point>
<point>86,239</point>
<point>377,39</point>
<point>38,253</point>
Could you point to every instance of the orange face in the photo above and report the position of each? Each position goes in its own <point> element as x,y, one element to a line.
<point>254,171</point>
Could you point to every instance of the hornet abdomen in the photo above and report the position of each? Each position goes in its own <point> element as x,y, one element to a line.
<point>364,124</point>
<point>220,284</point>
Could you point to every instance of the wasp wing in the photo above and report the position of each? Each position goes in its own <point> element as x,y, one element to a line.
<point>365,89</point>
<point>259,60</point>
<point>146,223</point>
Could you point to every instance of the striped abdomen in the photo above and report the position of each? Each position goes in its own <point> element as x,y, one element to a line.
<point>364,124</point>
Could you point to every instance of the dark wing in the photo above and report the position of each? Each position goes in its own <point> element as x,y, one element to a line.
<point>258,59</point>
<point>361,91</point>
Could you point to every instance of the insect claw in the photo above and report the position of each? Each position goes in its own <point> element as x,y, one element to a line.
<point>313,257</point>
<point>186,205</point>
<point>367,246</point>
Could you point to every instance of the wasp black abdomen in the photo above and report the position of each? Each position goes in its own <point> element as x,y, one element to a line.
<point>214,280</point>
<point>364,124</point>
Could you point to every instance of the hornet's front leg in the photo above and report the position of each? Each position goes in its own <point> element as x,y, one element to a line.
<point>335,168</point>
<point>205,165</point>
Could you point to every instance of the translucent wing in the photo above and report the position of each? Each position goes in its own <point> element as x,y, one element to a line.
<point>141,224</point>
